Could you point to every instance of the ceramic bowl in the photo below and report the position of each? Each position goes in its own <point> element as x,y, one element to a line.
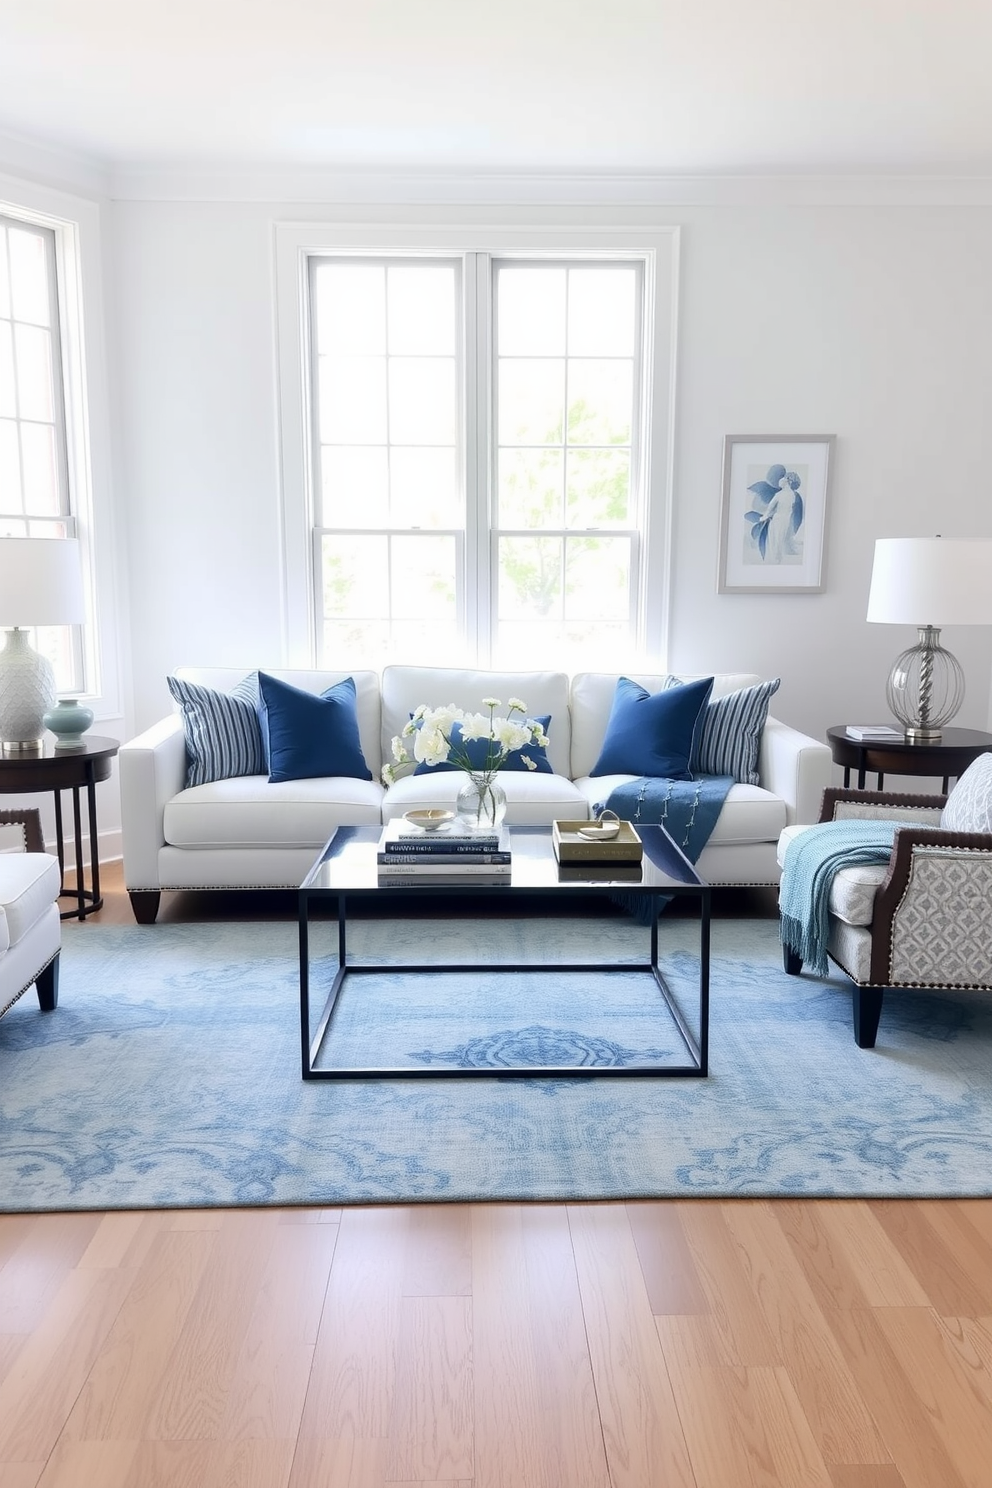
<point>428,821</point>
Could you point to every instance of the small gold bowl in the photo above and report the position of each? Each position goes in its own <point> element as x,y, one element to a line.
<point>429,820</point>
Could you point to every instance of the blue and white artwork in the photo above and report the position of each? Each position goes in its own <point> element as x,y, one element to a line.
<point>774,513</point>
<point>774,523</point>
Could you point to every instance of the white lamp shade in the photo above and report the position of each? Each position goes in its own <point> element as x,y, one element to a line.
<point>931,581</point>
<point>41,581</point>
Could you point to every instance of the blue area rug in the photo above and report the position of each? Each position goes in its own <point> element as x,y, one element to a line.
<point>169,1075</point>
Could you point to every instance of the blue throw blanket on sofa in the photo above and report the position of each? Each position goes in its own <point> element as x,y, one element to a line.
<point>687,809</point>
<point>811,861</point>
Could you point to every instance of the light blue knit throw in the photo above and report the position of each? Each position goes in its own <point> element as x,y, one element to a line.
<point>811,861</point>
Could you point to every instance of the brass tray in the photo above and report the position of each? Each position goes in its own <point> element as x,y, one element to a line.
<point>625,847</point>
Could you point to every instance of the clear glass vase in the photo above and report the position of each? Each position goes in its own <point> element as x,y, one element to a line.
<point>481,801</point>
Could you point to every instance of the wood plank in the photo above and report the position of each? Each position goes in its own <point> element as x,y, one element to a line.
<point>873,1475</point>
<point>20,1474</point>
<point>439,1251</point>
<point>432,1428</point>
<point>843,1427</point>
<point>352,1380</point>
<point>917,1449</point>
<point>269,1384</point>
<point>104,1464</point>
<point>847,1257</point>
<point>536,1418</point>
<point>972,1251</point>
<point>38,1392</point>
<point>195,1387</point>
<point>641,1426</point>
<point>665,1259</point>
<point>339,1462</point>
<point>946,1388</point>
<point>35,1270</point>
<point>126,1381</point>
<point>942,1275</point>
<point>971,1340</point>
<point>114,1237</point>
<point>738,1322</point>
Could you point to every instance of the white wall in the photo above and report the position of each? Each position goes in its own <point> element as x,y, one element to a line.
<point>870,323</point>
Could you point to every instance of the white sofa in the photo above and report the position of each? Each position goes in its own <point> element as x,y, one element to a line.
<point>248,833</point>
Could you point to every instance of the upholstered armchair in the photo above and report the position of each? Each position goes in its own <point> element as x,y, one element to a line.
<point>924,918</point>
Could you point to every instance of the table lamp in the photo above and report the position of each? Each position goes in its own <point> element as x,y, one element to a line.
<point>929,582</point>
<point>41,583</point>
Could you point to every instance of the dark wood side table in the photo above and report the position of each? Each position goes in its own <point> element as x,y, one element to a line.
<point>950,758</point>
<point>49,769</point>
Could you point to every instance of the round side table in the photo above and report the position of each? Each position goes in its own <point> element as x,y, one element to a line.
<point>50,769</point>
<point>949,758</point>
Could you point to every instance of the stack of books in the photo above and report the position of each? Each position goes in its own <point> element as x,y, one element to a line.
<point>444,858</point>
<point>881,733</point>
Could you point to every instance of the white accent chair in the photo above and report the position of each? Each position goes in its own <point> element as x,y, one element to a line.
<point>30,926</point>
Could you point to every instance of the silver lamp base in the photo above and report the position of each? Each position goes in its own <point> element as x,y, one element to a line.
<point>27,690</point>
<point>925,687</point>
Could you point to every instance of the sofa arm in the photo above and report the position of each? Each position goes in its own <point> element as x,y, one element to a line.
<point>931,926</point>
<point>152,770</point>
<point>795,767</point>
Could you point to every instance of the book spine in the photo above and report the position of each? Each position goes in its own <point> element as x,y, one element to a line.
<point>445,870</point>
<point>445,881</point>
<point>468,846</point>
<point>451,859</point>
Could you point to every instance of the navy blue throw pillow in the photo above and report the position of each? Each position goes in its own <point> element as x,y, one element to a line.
<point>653,733</point>
<point>478,749</point>
<point>309,735</point>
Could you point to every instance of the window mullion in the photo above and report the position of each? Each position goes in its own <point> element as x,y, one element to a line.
<point>478,454</point>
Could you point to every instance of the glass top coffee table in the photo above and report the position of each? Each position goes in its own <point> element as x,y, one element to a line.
<point>346,871</point>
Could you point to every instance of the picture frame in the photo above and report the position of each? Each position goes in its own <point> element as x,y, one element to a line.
<point>773,518</point>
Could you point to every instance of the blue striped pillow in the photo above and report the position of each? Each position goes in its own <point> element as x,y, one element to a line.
<point>730,738</point>
<point>222,731</point>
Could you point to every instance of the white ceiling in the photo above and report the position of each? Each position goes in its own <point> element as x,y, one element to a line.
<point>514,86</point>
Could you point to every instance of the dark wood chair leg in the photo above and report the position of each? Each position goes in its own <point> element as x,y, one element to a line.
<point>145,903</point>
<point>47,987</point>
<point>867,1011</point>
<point>793,963</point>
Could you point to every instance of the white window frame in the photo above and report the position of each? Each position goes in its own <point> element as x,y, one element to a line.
<point>296,243</point>
<point>76,224</point>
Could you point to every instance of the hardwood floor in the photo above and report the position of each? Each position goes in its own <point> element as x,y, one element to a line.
<point>697,1344</point>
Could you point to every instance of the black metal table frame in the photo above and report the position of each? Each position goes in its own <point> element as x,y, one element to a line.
<point>696,1048</point>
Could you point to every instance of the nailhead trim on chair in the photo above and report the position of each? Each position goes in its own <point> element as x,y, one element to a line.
<point>17,996</point>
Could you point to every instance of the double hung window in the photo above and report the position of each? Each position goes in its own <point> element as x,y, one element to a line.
<point>479,484</point>
<point>34,483</point>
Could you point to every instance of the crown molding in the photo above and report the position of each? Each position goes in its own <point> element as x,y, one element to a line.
<point>318,184</point>
<point>50,165</point>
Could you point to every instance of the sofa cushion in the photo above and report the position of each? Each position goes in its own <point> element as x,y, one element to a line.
<point>476,750</point>
<point>221,729</point>
<point>250,812</point>
<point>308,736</point>
<point>852,893</point>
<point>652,733</point>
<point>969,806</point>
<point>29,884</point>
<point>730,733</point>
<point>533,799</point>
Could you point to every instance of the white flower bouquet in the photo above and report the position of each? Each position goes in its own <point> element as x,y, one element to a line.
<point>447,735</point>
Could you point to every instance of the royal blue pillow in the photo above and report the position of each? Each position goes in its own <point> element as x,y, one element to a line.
<point>477,749</point>
<point>307,735</point>
<point>653,733</point>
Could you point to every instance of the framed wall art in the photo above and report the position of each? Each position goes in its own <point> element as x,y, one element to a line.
<point>773,520</point>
